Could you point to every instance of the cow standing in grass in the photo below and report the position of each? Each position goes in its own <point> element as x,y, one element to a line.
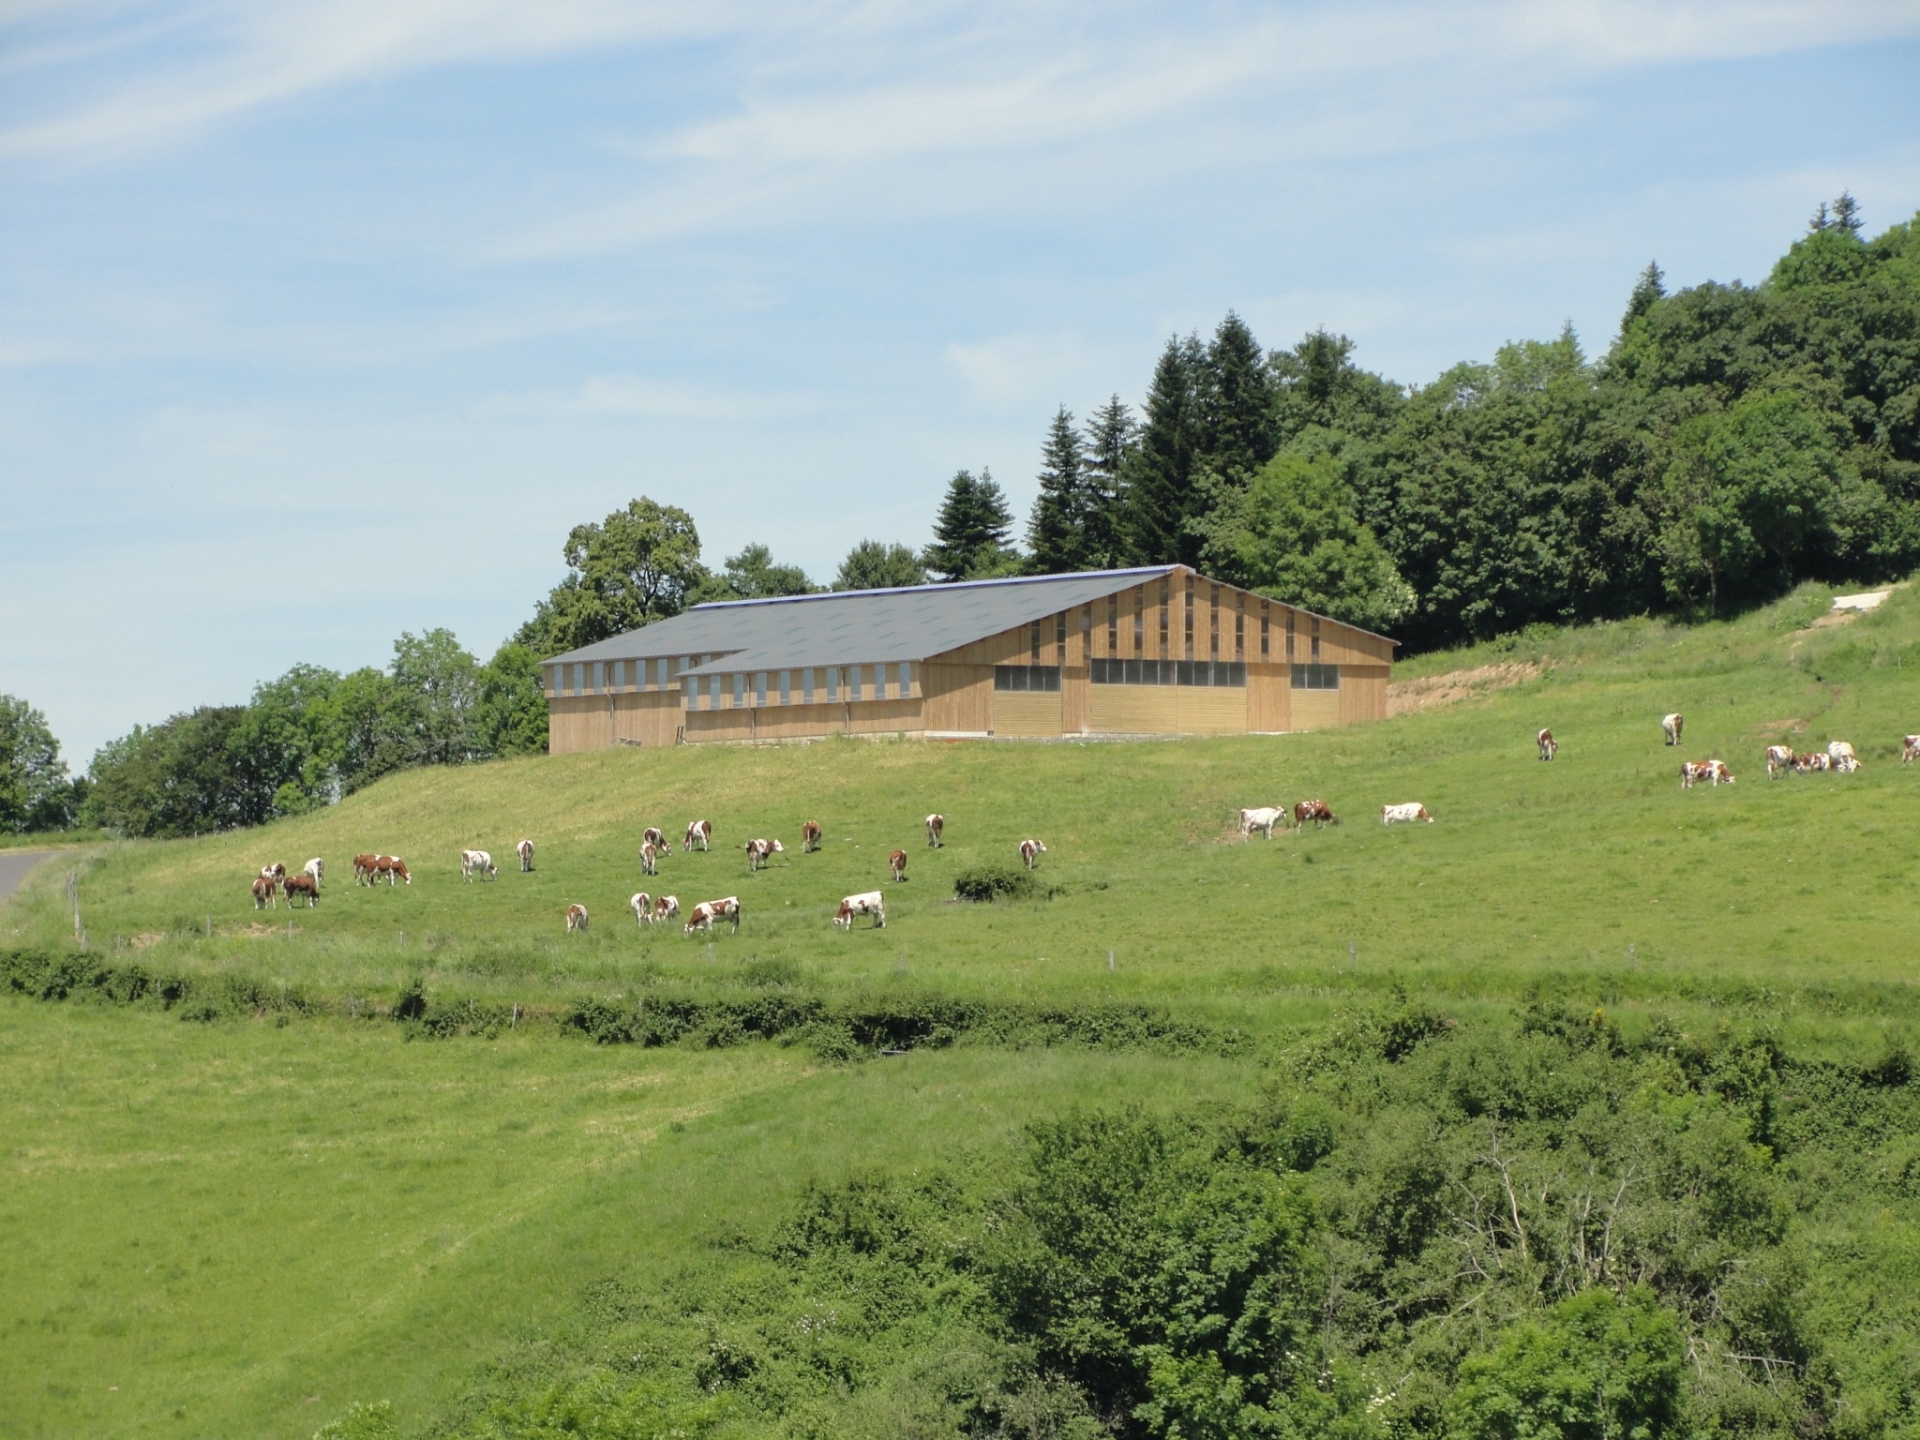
<point>809,838</point>
<point>391,866</point>
<point>1780,759</point>
<point>699,832</point>
<point>872,903</point>
<point>1318,811</point>
<point>263,892</point>
<point>1263,819</point>
<point>897,862</point>
<point>1030,853</point>
<point>525,851</point>
<point>642,907</point>
<point>666,907</point>
<point>1842,756</point>
<point>760,851</point>
<point>363,869</point>
<point>1549,747</point>
<point>650,859</point>
<point>936,827</point>
<point>1714,772</point>
<point>315,867</point>
<point>275,872</point>
<point>1672,725</point>
<point>1809,764</point>
<point>303,884</point>
<point>708,911</point>
<point>576,918</point>
<point>1404,814</point>
<point>656,838</point>
<point>1909,749</point>
<point>477,862</point>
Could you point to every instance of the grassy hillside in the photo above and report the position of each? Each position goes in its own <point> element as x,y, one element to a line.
<point>240,1227</point>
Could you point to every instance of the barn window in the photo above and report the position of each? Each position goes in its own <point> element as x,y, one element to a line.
<point>1316,637</point>
<point>906,680</point>
<point>760,687</point>
<point>1188,618</point>
<point>1240,625</point>
<point>1060,638</point>
<point>1113,625</point>
<point>1202,673</point>
<point>1033,643</point>
<point>1316,677</point>
<point>1290,626</point>
<point>1166,601</point>
<point>1213,623</point>
<point>1026,678</point>
<point>833,682</point>
<point>1139,619</point>
<point>1266,645</point>
<point>806,684</point>
<point>739,690</point>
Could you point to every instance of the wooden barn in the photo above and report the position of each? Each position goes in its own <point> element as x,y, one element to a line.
<point>1155,651</point>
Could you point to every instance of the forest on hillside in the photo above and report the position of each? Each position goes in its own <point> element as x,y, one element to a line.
<point>1733,441</point>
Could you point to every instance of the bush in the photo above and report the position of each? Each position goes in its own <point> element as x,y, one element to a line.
<point>993,882</point>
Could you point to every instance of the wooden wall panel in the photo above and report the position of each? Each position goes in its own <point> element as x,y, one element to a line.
<point>648,717</point>
<point>959,698</point>
<point>578,722</point>
<point>1363,693</point>
<point>1269,691</point>
<point>1026,714</point>
<point>1133,709</point>
<point>803,722</point>
<point>1074,717</point>
<point>1209,711</point>
<point>1315,709</point>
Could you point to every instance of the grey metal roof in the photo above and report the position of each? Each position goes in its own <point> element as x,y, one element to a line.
<point>857,626</point>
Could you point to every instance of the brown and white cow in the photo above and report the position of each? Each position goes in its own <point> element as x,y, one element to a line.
<point>1262,818</point>
<point>263,892</point>
<point>1030,853</point>
<point>363,869</point>
<point>708,911</point>
<point>666,907</point>
<point>642,906</point>
<point>302,884</point>
<point>699,832</point>
<point>1841,753</point>
<point>1909,749</point>
<point>897,862</point>
<point>1404,814</point>
<point>1808,764</point>
<point>654,837</point>
<point>477,862</point>
<point>872,903</point>
<point>936,825</point>
<point>275,872</point>
<point>809,838</point>
<point>760,851</point>
<point>525,851</point>
<point>1318,811</point>
<point>1672,725</point>
<point>317,868</point>
<point>391,866</point>
<point>1779,758</point>
<point>650,858</point>
<point>1714,772</point>
<point>576,918</point>
<point>1549,747</point>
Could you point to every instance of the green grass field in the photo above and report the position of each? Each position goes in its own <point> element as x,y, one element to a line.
<point>237,1228</point>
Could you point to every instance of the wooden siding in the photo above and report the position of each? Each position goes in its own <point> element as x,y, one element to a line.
<point>1269,697</point>
<point>795,722</point>
<point>959,698</point>
<point>1363,693</point>
<point>1026,714</point>
<point>649,717</point>
<point>1315,709</point>
<point>578,722</point>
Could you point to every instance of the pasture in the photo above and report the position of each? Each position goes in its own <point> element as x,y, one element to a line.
<point>238,1227</point>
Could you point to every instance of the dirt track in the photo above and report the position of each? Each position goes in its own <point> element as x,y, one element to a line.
<point>14,867</point>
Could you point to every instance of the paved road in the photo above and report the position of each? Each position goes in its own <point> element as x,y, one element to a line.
<point>14,867</point>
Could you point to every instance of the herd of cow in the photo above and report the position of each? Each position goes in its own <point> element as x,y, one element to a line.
<point>274,880</point>
<point>1781,759</point>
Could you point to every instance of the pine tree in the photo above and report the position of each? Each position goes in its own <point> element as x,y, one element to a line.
<point>972,535</point>
<point>1821,219</point>
<point>1110,439</point>
<point>1057,527</point>
<point>1159,473</point>
<point>1651,286</point>
<point>1846,213</point>
<point>1236,430</point>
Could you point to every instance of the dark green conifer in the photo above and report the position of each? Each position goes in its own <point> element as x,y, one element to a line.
<point>1057,527</point>
<point>972,535</point>
<point>1160,470</point>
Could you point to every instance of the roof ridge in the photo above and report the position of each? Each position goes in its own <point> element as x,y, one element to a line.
<point>943,586</point>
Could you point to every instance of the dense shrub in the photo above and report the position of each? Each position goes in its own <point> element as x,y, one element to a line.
<point>994,882</point>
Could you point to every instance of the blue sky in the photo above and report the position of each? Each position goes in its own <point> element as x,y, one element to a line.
<point>324,321</point>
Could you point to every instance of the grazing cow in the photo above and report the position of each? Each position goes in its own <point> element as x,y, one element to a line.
<point>302,884</point>
<point>650,858</point>
<point>1549,747</point>
<point>897,862</point>
<point>1844,760</point>
<point>1909,749</point>
<point>576,918</point>
<point>935,825</point>
<point>1404,814</point>
<point>758,852</point>
<point>872,903</point>
<point>666,907</point>
<point>1714,772</point>
<point>1672,725</point>
<point>263,892</point>
<point>1030,853</point>
<point>1262,819</point>
<point>478,862</point>
<point>642,906</point>
<point>275,872</point>
<point>655,838</point>
<point>708,911</point>
<point>809,838</point>
<point>525,851</point>
<point>363,869</point>
<point>1779,758</point>
<point>315,867</point>
<point>1818,760</point>
<point>699,832</point>
<point>1315,810</point>
<point>391,866</point>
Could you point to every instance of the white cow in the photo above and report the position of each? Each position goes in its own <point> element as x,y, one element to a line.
<point>1030,853</point>
<point>477,862</point>
<point>936,826</point>
<point>1263,819</point>
<point>576,918</point>
<point>666,907</point>
<point>642,906</point>
<point>1404,814</point>
<point>1909,749</point>
<point>525,851</point>
<point>1841,753</point>
<point>759,851</point>
<point>1672,725</point>
<point>699,832</point>
<point>317,868</point>
<point>872,903</point>
<point>1779,758</point>
<point>708,911</point>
